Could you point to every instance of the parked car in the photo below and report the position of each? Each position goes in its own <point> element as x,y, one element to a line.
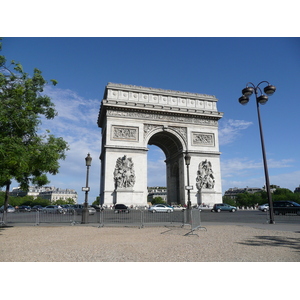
<point>161,208</point>
<point>264,207</point>
<point>24,208</point>
<point>286,207</point>
<point>54,209</point>
<point>179,208</point>
<point>97,207</point>
<point>67,207</point>
<point>37,208</point>
<point>10,209</point>
<point>78,208</point>
<point>218,207</point>
<point>121,208</point>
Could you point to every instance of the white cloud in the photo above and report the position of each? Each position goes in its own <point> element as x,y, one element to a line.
<point>242,172</point>
<point>283,163</point>
<point>284,180</point>
<point>72,107</point>
<point>237,166</point>
<point>230,129</point>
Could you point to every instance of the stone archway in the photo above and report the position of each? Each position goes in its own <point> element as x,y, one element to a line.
<point>173,148</point>
<point>132,117</point>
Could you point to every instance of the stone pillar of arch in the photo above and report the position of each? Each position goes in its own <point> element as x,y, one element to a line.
<point>133,117</point>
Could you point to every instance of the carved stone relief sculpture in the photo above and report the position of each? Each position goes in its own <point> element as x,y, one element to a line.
<point>124,133</point>
<point>203,139</point>
<point>124,175</point>
<point>205,177</point>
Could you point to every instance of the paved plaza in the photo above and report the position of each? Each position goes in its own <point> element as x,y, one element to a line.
<point>88,243</point>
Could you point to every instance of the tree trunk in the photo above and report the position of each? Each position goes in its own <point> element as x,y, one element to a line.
<point>6,201</point>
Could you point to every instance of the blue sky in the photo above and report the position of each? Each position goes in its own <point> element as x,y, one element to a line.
<point>214,66</point>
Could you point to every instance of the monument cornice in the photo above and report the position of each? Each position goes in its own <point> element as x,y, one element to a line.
<point>167,114</point>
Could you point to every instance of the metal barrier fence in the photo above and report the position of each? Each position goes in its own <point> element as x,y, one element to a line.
<point>37,217</point>
<point>108,217</point>
<point>140,218</point>
<point>284,215</point>
<point>193,218</point>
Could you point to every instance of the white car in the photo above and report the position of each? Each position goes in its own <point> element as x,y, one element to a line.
<point>179,208</point>
<point>263,207</point>
<point>10,209</point>
<point>161,208</point>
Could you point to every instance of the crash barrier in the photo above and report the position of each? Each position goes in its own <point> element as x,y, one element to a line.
<point>284,215</point>
<point>128,218</point>
<point>193,218</point>
<point>107,217</point>
<point>140,218</point>
<point>37,217</point>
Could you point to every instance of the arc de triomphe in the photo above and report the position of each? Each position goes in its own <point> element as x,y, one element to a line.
<point>132,117</point>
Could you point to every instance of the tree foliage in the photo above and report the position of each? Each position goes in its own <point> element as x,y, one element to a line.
<point>285,194</point>
<point>251,200</point>
<point>158,200</point>
<point>62,202</point>
<point>25,154</point>
<point>25,200</point>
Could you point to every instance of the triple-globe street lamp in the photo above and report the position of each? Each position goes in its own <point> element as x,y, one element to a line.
<point>261,99</point>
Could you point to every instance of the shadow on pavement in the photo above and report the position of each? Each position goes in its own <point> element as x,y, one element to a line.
<point>293,243</point>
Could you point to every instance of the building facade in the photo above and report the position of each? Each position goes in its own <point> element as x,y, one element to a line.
<point>157,192</point>
<point>297,189</point>
<point>233,192</point>
<point>50,193</point>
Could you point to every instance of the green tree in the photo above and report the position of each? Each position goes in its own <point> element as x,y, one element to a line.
<point>63,202</point>
<point>285,194</point>
<point>229,201</point>
<point>40,201</point>
<point>158,200</point>
<point>250,200</point>
<point>25,155</point>
<point>97,201</point>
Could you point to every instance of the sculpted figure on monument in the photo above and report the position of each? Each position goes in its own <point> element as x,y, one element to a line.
<point>124,172</point>
<point>205,177</point>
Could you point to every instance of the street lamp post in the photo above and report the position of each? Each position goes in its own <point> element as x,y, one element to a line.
<point>85,211</point>
<point>187,159</point>
<point>262,99</point>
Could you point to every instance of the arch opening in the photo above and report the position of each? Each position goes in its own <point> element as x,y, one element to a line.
<point>172,148</point>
